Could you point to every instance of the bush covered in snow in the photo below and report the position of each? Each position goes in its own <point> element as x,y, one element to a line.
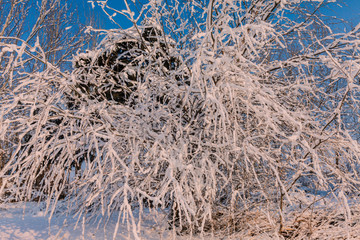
<point>211,111</point>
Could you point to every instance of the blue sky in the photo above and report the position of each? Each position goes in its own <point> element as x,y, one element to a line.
<point>107,24</point>
<point>350,11</point>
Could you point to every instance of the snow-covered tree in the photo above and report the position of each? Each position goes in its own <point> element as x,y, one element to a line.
<point>51,24</point>
<point>228,115</point>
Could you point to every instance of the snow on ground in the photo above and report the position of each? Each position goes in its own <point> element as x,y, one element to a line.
<point>28,221</point>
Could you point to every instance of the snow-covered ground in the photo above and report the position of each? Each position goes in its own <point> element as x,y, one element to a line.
<point>28,221</point>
